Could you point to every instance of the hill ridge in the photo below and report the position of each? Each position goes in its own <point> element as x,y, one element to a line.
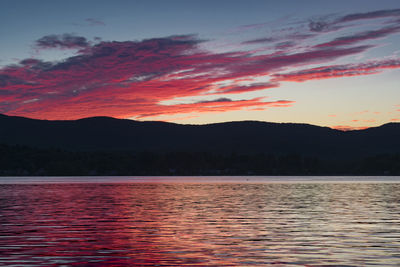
<point>107,133</point>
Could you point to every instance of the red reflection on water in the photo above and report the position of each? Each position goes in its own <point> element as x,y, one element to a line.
<point>91,224</point>
<point>199,224</point>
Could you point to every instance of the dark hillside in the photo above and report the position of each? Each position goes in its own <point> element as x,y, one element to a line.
<point>276,148</point>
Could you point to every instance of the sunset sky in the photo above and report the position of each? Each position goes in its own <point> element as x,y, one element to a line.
<point>328,63</point>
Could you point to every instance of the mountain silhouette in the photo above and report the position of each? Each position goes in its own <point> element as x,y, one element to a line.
<point>105,133</point>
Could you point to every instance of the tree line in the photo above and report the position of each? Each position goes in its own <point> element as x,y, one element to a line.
<point>17,160</point>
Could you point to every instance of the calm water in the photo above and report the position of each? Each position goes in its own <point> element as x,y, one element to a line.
<point>229,221</point>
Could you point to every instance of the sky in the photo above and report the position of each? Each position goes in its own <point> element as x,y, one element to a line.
<point>327,63</point>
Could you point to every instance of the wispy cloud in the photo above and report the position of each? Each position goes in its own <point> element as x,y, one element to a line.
<point>362,36</point>
<point>335,71</point>
<point>90,22</point>
<point>234,88</point>
<point>333,23</point>
<point>370,15</point>
<point>95,22</point>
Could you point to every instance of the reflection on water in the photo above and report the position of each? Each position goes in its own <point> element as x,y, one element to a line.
<point>201,224</point>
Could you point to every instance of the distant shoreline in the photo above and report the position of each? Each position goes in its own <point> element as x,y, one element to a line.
<point>196,179</point>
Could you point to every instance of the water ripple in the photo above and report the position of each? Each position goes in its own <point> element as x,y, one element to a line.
<point>200,224</point>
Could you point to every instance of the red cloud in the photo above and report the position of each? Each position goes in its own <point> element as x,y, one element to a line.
<point>134,79</point>
<point>145,109</point>
<point>123,79</point>
<point>220,105</point>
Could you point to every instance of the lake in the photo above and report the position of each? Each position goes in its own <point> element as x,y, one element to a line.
<point>200,221</point>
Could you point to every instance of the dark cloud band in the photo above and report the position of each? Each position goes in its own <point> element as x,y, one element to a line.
<point>64,41</point>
